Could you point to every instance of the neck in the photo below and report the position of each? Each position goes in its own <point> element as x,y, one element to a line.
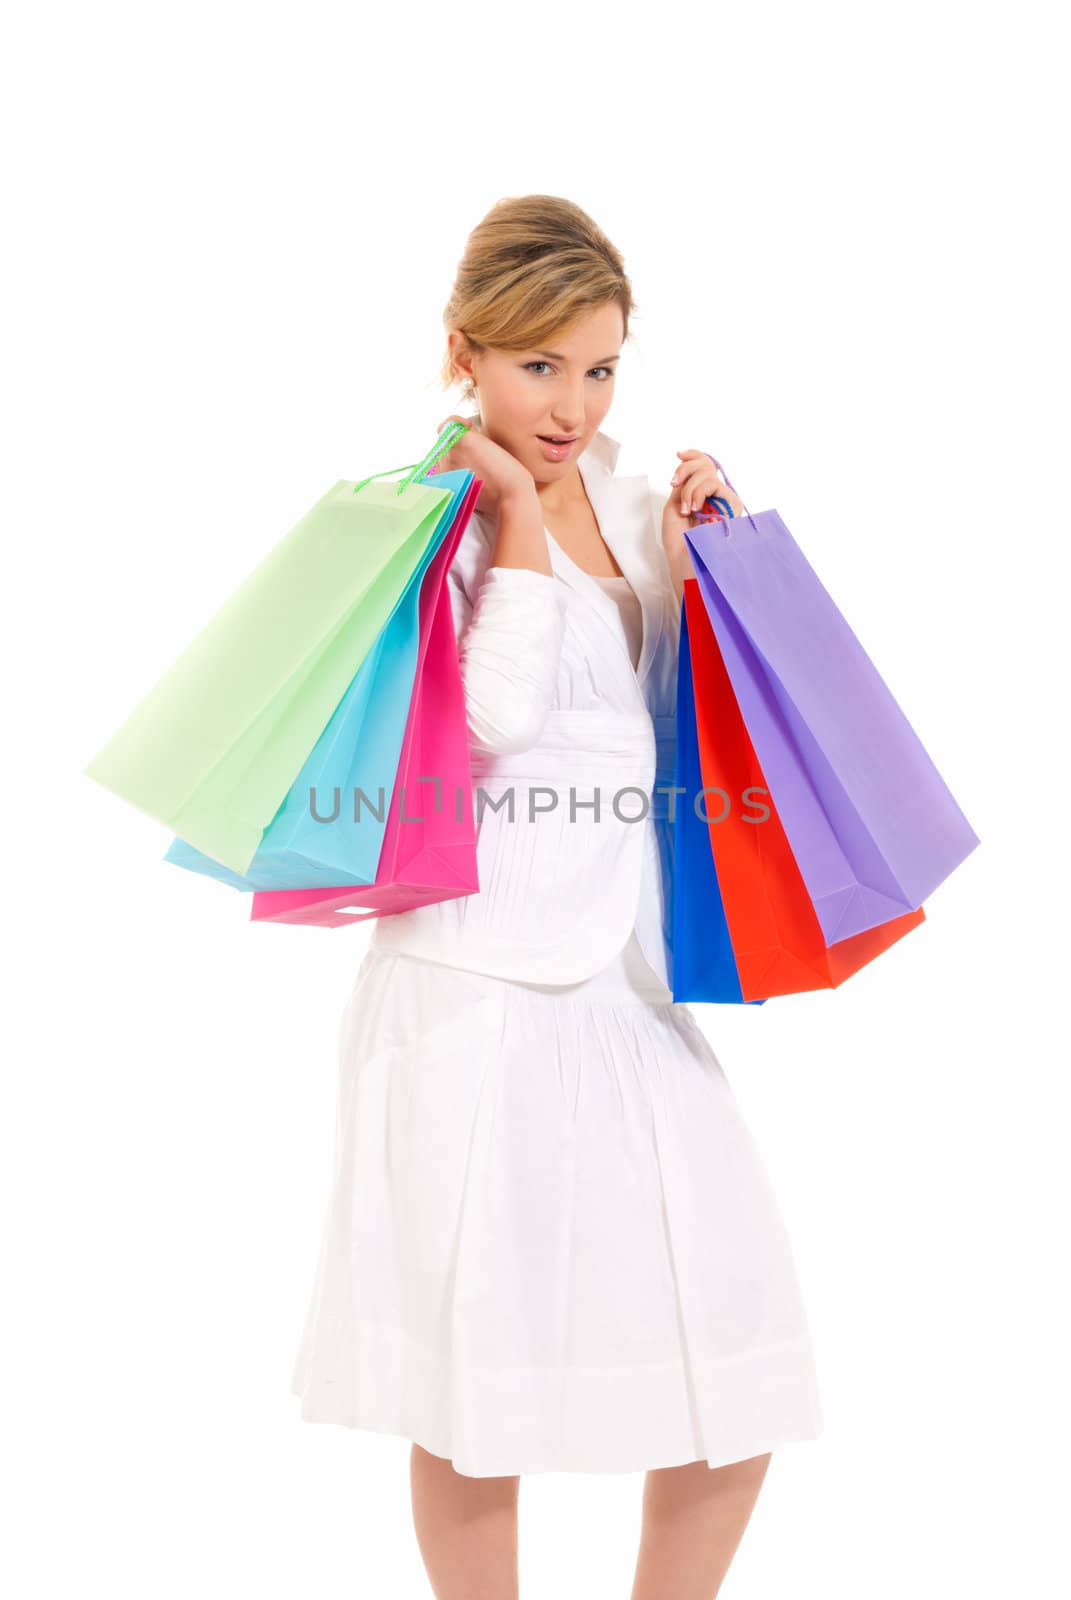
<point>563,493</point>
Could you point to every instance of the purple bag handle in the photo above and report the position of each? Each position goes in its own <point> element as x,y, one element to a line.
<point>732,486</point>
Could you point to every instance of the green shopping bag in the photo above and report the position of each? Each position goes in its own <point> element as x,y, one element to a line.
<point>213,748</point>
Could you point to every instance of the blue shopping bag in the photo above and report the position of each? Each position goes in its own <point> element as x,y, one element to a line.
<point>704,967</point>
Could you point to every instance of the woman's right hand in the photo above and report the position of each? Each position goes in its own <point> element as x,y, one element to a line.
<point>502,475</point>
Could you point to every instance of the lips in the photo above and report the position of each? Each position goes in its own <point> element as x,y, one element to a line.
<point>552,438</point>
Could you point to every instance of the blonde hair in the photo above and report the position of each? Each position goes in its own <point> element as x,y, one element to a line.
<point>534,265</point>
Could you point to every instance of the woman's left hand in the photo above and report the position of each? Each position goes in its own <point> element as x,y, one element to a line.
<point>695,478</point>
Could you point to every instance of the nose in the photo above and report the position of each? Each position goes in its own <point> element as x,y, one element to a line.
<point>569,418</point>
<point>568,422</point>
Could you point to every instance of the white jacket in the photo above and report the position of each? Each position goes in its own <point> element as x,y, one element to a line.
<point>555,704</point>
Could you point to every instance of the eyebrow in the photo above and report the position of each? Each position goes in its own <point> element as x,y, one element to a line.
<point>552,355</point>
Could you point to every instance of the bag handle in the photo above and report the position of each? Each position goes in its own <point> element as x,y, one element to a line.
<point>718,500</point>
<point>448,438</point>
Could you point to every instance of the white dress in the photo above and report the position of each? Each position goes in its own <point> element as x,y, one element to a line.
<point>551,1243</point>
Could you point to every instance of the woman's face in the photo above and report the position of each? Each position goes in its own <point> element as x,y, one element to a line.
<point>565,390</point>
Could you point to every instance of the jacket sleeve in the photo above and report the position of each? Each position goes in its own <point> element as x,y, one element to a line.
<point>659,496</point>
<point>509,623</point>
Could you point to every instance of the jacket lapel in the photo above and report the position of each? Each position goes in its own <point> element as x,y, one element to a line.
<point>622,508</point>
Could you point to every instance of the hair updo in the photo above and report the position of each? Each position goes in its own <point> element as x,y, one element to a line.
<point>534,265</point>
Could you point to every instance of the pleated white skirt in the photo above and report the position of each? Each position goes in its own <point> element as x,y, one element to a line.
<point>550,1241</point>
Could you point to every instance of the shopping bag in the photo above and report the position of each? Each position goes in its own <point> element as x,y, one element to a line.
<point>329,829</point>
<point>872,825</point>
<point>703,967</point>
<point>777,941</point>
<point>213,748</point>
<point>429,847</point>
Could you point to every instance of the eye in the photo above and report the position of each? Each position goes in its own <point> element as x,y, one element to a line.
<point>608,370</point>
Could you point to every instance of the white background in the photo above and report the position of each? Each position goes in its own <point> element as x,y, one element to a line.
<point>231,230</point>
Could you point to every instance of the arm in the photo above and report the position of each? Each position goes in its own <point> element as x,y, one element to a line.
<point>681,568</point>
<point>675,561</point>
<point>509,622</point>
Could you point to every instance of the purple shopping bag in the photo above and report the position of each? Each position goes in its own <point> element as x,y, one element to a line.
<point>871,822</point>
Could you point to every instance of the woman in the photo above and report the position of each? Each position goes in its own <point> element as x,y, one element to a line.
<point>551,1243</point>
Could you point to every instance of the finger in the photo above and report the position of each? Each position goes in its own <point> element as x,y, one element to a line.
<point>724,489</point>
<point>689,458</point>
<point>705,455</point>
<point>685,455</point>
<point>709,488</point>
<point>694,487</point>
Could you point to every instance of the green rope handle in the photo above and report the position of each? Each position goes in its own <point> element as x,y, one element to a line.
<point>446,440</point>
